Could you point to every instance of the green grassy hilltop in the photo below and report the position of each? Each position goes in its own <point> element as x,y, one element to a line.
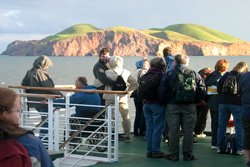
<point>176,32</point>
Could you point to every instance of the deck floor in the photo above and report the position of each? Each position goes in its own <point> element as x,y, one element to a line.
<point>133,154</point>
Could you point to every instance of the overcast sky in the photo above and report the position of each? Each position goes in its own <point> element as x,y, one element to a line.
<point>34,19</point>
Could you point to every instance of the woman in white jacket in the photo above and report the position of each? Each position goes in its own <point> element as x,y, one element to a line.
<point>116,65</point>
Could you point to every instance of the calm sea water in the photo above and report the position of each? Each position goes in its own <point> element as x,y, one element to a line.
<point>67,69</point>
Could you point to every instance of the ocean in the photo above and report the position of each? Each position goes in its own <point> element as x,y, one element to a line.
<point>67,69</point>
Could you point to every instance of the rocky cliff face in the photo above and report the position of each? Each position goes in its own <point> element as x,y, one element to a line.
<point>122,44</point>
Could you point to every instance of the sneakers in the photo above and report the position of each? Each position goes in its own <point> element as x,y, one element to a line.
<point>214,147</point>
<point>188,157</point>
<point>202,135</point>
<point>240,152</point>
<point>172,157</point>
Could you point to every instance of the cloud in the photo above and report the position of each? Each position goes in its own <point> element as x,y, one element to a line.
<point>11,13</point>
<point>50,17</point>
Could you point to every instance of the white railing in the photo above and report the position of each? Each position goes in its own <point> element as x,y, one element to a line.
<point>98,141</point>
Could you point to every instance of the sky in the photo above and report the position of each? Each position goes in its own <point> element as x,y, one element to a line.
<point>34,20</point>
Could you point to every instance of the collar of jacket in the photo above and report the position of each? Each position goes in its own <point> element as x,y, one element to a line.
<point>155,70</point>
<point>180,67</point>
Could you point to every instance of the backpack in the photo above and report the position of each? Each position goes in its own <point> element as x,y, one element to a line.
<point>230,85</point>
<point>135,92</point>
<point>229,146</point>
<point>185,88</point>
<point>12,153</point>
<point>148,86</point>
<point>120,84</point>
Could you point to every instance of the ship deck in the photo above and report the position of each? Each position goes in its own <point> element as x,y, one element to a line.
<point>133,154</point>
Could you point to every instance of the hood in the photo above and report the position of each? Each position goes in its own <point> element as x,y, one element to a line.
<point>139,64</point>
<point>116,62</point>
<point>42,62</point>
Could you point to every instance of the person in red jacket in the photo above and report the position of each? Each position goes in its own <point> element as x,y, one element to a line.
<point>13,154</point>
<point>10,130</point>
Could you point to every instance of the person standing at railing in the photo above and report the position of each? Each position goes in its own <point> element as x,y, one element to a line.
<point>38,76</point>
<point>181,88</point>
<point>139,123</point>
<point>99,72</point>
<point>211,83</point>
<point>83,98</point>
<point>10,130</point>
<point>116,65</point>
<point>245,101</point>
<point>230,103</point>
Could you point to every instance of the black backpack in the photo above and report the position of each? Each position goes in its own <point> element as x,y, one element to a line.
<point>120,84</point>
<point>185,88</point>
<point>148,86</point>
<point>230,85</point>
<point>229,145</point>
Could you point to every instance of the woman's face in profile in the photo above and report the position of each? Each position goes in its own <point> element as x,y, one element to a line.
<point>13,116</point>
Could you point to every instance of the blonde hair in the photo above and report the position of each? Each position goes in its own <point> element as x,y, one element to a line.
<point>221,65</point>
<point>241,67</point>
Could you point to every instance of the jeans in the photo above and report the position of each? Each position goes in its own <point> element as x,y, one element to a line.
<point>154,117</point>
<point>225,110</point>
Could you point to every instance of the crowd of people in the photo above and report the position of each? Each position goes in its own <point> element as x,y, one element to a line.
<point>177,104</point>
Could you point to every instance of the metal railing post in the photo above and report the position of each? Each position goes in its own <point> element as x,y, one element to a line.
<point>56,130</point>
<point>116,127</point>
<point>50,124</point>
<point>109,132</point>
<point>67,116</point>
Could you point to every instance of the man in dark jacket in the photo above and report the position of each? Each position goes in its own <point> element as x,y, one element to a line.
<point>99,72</point>
<point>181,114</point>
